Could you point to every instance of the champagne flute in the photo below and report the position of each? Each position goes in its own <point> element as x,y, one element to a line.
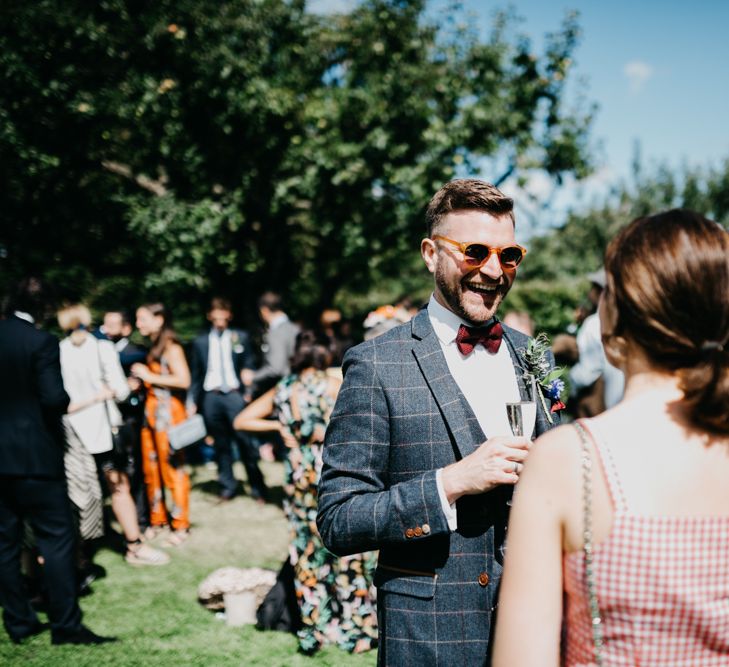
<point>522,415</point>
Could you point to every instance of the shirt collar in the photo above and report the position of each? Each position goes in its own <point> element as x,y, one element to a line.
<point>445,322</point>
<point>24,316</point>
<point>121,344</point>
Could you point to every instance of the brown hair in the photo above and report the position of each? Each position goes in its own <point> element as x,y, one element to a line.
<point>166,334</point>
<point>311,351</point>
<point>220,303</point>
<point>668,276</point>
<point>272,301</point>
<point>464,194</point>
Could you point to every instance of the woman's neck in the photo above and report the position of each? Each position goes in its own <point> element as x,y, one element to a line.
<point>654,381</point>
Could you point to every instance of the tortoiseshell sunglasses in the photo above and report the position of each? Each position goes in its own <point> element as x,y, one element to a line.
<point>475,255</point>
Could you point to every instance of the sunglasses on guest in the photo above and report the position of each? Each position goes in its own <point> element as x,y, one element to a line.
<point>475,255</point>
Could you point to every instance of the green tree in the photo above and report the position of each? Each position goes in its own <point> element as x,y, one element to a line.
<point>552,282</point>
<point>170,149</point>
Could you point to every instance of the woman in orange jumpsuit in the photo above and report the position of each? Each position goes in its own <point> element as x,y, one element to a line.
<point>166,376</point>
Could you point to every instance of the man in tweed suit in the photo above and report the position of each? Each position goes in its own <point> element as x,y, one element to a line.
<point>417,460</point>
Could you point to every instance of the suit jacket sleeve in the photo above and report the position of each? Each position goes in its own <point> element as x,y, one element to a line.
<point>358,509</point>
<point>249,358</point>
<point>198,368</point>
<point>47,365</point>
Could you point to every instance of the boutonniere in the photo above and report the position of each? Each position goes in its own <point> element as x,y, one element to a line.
<point>235,340</point>
<point>548,380</point>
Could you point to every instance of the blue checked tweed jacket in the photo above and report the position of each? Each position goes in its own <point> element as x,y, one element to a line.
<point>398,418</point>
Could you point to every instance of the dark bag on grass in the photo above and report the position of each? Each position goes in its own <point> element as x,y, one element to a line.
<point>279,609</point>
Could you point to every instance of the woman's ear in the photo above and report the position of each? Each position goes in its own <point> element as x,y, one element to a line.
<point>616,349</point>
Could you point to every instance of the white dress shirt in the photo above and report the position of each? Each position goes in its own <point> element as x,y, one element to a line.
<point>221,372</point>
<point>487,381</point>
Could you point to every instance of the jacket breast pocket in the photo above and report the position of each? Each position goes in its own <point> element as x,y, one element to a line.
<point>413,583</point>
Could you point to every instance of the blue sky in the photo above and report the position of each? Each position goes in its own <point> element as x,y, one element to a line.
<point>659,72</point>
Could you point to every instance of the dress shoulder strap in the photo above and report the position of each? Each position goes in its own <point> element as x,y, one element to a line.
<point>607,463</point>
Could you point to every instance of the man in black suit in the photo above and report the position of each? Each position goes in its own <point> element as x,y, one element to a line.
<point>218,359</point>
<point>32,479</point>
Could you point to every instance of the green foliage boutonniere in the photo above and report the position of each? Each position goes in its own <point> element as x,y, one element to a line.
<point>548,380</point>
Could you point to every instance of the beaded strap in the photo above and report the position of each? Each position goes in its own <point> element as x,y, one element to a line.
<point>594,607</point>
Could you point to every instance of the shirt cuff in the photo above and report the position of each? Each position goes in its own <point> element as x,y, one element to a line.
<point>449,511</point>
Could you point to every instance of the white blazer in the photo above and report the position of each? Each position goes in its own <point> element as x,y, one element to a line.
<point>85,368</point>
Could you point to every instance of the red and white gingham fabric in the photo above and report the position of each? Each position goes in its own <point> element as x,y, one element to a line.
<point>662,585</point>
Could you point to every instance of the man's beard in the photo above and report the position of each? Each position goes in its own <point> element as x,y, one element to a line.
<point>454,297</point>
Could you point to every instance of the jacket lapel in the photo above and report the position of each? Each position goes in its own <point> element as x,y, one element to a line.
<point>519,368</point>
<point>456,412</point>
<point>205,351</point>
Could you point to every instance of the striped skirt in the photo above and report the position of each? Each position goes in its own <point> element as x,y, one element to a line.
<point>84,489</point>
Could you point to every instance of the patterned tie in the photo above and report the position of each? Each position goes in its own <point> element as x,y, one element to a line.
<point>489,336</point>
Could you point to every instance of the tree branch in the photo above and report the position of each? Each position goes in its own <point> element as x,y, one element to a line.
<point>155,187</point>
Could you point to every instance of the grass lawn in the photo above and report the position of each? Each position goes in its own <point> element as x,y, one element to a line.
<point>154,610</point>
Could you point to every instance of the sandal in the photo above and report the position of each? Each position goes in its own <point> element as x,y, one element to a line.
<point>150,532</point>
<point>177,537</point>
<point>143,554</point>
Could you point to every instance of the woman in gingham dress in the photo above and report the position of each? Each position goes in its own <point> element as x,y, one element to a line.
<point>659,469</point>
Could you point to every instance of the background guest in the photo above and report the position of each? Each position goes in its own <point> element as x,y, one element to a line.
<point>278,345</point>
<point>335,595</point>
<point>595,383</point>
<point>651,584</point>
<point>217,361</point>
<point>32,483</point>
<point>117,328</point>
<point>166,377</point>
<point>93,377</point>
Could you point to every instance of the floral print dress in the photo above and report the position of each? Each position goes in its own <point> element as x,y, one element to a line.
<point>336,596</point>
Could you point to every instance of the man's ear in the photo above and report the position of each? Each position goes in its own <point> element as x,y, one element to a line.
<point>429,254</point>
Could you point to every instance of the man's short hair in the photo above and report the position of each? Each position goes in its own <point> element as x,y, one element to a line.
<point>272,301</point>
<point>30,295</point>
<point>126,318</point>
<point>467,194</point>
<point>220,303</point>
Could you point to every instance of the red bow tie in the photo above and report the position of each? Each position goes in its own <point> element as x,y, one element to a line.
<point>489,336</point>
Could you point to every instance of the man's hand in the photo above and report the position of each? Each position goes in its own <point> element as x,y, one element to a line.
<point>497,461</point>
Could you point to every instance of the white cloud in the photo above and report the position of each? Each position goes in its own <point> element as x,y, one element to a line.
<point>638,74</point>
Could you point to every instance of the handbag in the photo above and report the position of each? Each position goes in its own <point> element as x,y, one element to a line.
<point>280,609</point>
<point>594,607</point>
<point>186,433</point>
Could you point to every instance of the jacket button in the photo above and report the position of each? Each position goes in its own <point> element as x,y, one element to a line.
<point>418,531</point>
<point>483,579</point>
<point>409,533</point>
<point>426,529</point>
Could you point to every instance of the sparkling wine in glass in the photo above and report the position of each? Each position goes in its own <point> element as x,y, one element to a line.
<point>522,415</point>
